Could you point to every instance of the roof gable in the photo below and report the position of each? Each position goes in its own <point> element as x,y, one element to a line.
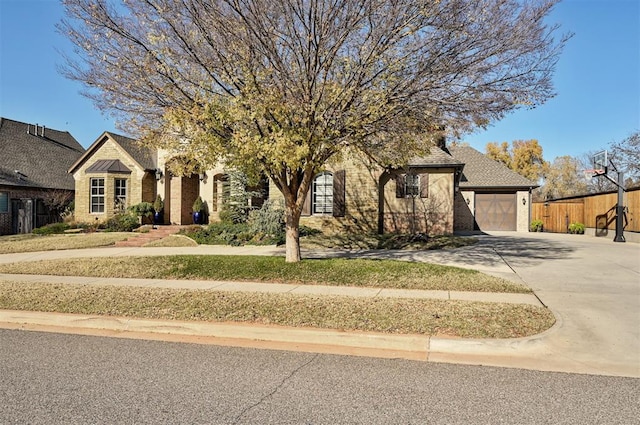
<point>36,156</point>
<point>480,171</point>
<point>108,166</point>
<point>144,157</point>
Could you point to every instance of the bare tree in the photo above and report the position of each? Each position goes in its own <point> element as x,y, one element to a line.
<point>625,155</point>
<point>282,87</point>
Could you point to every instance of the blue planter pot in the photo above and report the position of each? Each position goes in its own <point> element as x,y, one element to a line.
<point>158,217</point>
<point>197,218</point>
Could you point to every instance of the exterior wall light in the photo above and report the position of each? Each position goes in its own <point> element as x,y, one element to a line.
<point>158,174</point>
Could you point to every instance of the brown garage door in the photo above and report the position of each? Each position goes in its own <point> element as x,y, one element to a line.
<point>496,211</point>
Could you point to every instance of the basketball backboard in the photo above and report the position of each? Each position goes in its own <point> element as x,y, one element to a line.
<point>600,162</point>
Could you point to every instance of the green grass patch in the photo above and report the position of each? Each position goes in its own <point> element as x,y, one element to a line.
<point>335,271</point>
<point>428,317</point>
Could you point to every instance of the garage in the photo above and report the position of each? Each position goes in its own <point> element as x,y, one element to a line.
<point>496,211</point>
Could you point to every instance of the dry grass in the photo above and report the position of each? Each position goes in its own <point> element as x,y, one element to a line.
<point>173,241</point>
<point>335,271</point>
<point>360,240</point>
<point>428,317</point>
<point>31,243</point>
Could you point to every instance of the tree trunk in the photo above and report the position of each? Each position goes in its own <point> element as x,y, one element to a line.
<point>292,222</point>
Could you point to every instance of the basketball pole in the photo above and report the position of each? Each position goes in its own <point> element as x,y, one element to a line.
<point>620,205</point>
<point>620,209</point>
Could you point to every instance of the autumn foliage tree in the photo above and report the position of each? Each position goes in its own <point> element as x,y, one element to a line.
<point>523,156</point>
<point>564,177</point>
<point>282,87</point>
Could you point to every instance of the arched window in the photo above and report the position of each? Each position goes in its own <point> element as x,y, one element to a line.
<point>323,193</point>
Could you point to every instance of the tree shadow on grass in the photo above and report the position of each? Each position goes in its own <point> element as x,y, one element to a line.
<point>489,251</point>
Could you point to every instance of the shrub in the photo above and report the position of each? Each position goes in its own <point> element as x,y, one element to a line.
<point>158,204</point>
<point>576,228</point>
<point>198,205</point>
<point>143,209</point>
<point>50,229</point>
<point>536,226</point>
<point>268,220</point>
<point>124,222</point>
<point>219,234</point>
<point>308,231</point>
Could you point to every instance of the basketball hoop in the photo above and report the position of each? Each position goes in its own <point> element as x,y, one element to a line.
<point>591,173</point>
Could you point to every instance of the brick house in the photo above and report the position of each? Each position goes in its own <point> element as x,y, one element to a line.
<point>490,196</point>
<point>113,174</point>
<point>451,189</point>
<point>34,183</point>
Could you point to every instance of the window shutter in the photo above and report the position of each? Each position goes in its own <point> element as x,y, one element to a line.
<point>424,185</point>
<point>400,182</point>
<point>306,207</point>
<point>339,207</point>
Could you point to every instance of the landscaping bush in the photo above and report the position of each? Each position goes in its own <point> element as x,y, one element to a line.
<point>576,228</point>
<point>50,229</point>
<point>308,231</point>
<point>125,222</point>
<point>219,234</point>
<point>142,210</point>
<point>536,226</point>
<point>268,220</point>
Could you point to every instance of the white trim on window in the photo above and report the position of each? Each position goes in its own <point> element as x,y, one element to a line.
<point>411,185</point>
<point>322,201</point>
<point>96,202</point>
<point>120,195</point>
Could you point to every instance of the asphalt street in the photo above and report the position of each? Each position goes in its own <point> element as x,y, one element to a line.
<point>49,378</point>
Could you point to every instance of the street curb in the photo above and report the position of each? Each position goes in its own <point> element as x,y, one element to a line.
<point>340,342</point>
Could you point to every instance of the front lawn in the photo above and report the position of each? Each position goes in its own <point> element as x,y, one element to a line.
<point>30,243</point>
<point>335,271</point>
<point>428,317</point>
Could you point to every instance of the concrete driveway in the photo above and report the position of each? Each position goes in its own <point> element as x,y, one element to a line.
<point>591,284</point>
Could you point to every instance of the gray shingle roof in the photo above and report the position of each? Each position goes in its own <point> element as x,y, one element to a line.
<point>436,158</point>
<point>36,160</point>
<point>480,171</point>
<point>145,157</point>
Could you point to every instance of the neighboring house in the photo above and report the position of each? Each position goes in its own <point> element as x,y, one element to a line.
<point>34,184</point>
<point>114,173</point>
<point>451,189</point>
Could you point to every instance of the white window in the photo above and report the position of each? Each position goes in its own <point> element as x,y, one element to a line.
<point>323,193</point>
<point>97,195</point>
<point>411,185</point>
<point>120,194</point>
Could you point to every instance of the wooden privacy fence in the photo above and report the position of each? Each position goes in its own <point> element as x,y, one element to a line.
<point>594,211</point>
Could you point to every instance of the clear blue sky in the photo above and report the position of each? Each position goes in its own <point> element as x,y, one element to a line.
<point>597,79</point>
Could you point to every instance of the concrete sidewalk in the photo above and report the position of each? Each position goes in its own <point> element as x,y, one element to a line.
<point>596,332</point>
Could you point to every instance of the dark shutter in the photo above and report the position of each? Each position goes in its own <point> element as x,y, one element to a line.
<point>400,183</point>
<point>339,193</point>
<point>424,185</point>
<point>306,207</point>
